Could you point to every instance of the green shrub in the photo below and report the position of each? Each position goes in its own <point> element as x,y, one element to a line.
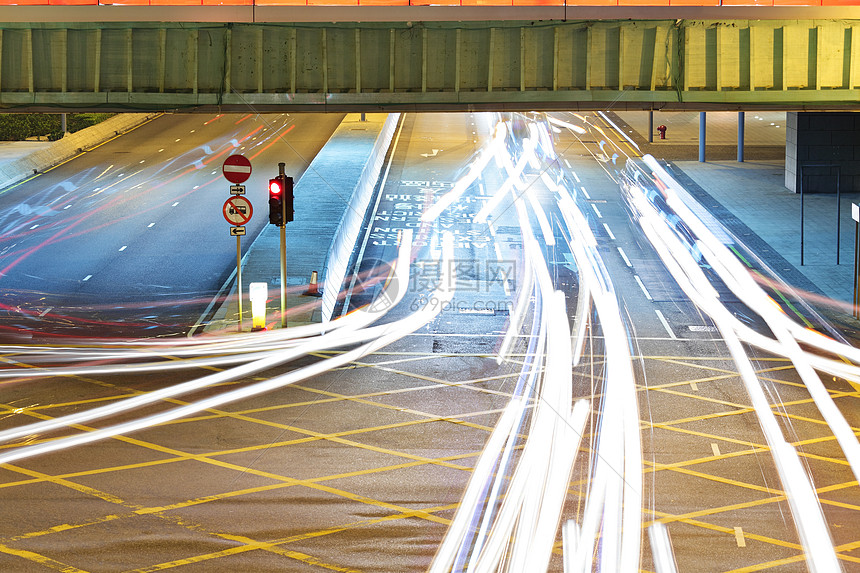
<point>20,126</point>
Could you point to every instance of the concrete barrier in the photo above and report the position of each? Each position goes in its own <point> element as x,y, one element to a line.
<point>349,229</point>
<point>69,146</point>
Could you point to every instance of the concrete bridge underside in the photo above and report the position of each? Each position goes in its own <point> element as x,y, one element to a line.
<point>618,64</point>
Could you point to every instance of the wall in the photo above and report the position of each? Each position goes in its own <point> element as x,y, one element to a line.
<point>816,138</point>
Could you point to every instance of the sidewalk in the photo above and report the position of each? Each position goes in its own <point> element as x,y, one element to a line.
<point>11,151</point>
<point>750,198</point>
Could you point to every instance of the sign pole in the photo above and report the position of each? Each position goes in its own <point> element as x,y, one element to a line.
<point>239,276</point>
<point>237,211</point>
<point>855,214</point>
<point>283,252</point>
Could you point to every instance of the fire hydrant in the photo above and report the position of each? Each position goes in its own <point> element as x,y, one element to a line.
<point>662,130</point>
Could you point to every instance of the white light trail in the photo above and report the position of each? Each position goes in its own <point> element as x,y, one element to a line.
<point>679,260</point>
<point>661,548</point>
<point>379,336</point>
<point>748,290</point>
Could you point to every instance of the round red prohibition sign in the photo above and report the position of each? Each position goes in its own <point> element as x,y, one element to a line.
<point>237,169</point>
<point>238,210</point>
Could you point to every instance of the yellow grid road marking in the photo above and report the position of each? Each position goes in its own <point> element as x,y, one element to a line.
<point>41,560</point>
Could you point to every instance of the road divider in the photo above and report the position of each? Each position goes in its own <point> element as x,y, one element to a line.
<point>346,235</point>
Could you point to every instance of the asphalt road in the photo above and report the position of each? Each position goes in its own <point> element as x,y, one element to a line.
<point>129,238</point>
<point>363,468</point>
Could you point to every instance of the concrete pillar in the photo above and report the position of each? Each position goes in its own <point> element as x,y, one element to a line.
<point>650,127</point>
<point>822,138</point>
<point>702,136</point>
<point>740,137</point>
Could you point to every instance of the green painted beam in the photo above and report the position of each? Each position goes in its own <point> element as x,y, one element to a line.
<point>629,64</point>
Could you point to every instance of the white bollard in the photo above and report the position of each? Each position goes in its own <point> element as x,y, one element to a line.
<point>259,293</point>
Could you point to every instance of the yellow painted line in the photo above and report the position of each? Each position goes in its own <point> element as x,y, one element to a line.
<point>402,360</point>
<point>91,491</point>
<point>671,357</point>
<point>702,398</point>
<point>273,546</point>
<point>687,382</point>
<point>837,487</point>
<point>41,407</point>
<point>848,547</point>
<point>710,436</point>
<point>697,461</point>
<point>246,545</point>
<point>716,449</point>
<point>805,419</point>
<point>361,524</point>
<point>334,491</point>
<point>69,527</point>
<point>838,461</point>
<point>430,417</point>
<point>269,487</point>
<point>41,560</point>
<point>715,510</point>
<point>269,475</point>
<point>727,481</point>
<point>331,490</point>
<point>100,471</point>
<point>713,416</point>
<point>337,438</point>
<point>739,537</point>
<point>786,561</point>
<point>731,531</point>
<point>685,361</point>
<point>840,504</point>
<point>198,501</point>
<point>633,151</point>
<point>693,387</point>
<point>770,564</point>
<point>28,179</point>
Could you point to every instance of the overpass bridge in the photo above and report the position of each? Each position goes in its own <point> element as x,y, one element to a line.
<point>268,57</point>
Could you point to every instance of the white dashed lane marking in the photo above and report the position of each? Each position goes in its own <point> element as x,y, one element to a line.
<point>608,231</point>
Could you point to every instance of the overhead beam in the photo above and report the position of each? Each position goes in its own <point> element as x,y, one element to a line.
<point>250,14</point>
<point>665,64</point>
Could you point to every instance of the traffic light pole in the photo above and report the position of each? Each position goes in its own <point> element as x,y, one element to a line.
<point>283,229</point>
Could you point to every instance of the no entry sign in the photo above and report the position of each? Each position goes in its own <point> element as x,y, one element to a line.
<point>237,169</point>
<point>238,210</point>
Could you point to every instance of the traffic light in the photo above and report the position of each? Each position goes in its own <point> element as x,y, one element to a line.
<point>288,198</point>
<point>276,201</point>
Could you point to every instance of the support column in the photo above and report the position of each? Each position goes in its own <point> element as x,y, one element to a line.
<point>702,136</point>
<point>740,137</point>
<point>650,126</point>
